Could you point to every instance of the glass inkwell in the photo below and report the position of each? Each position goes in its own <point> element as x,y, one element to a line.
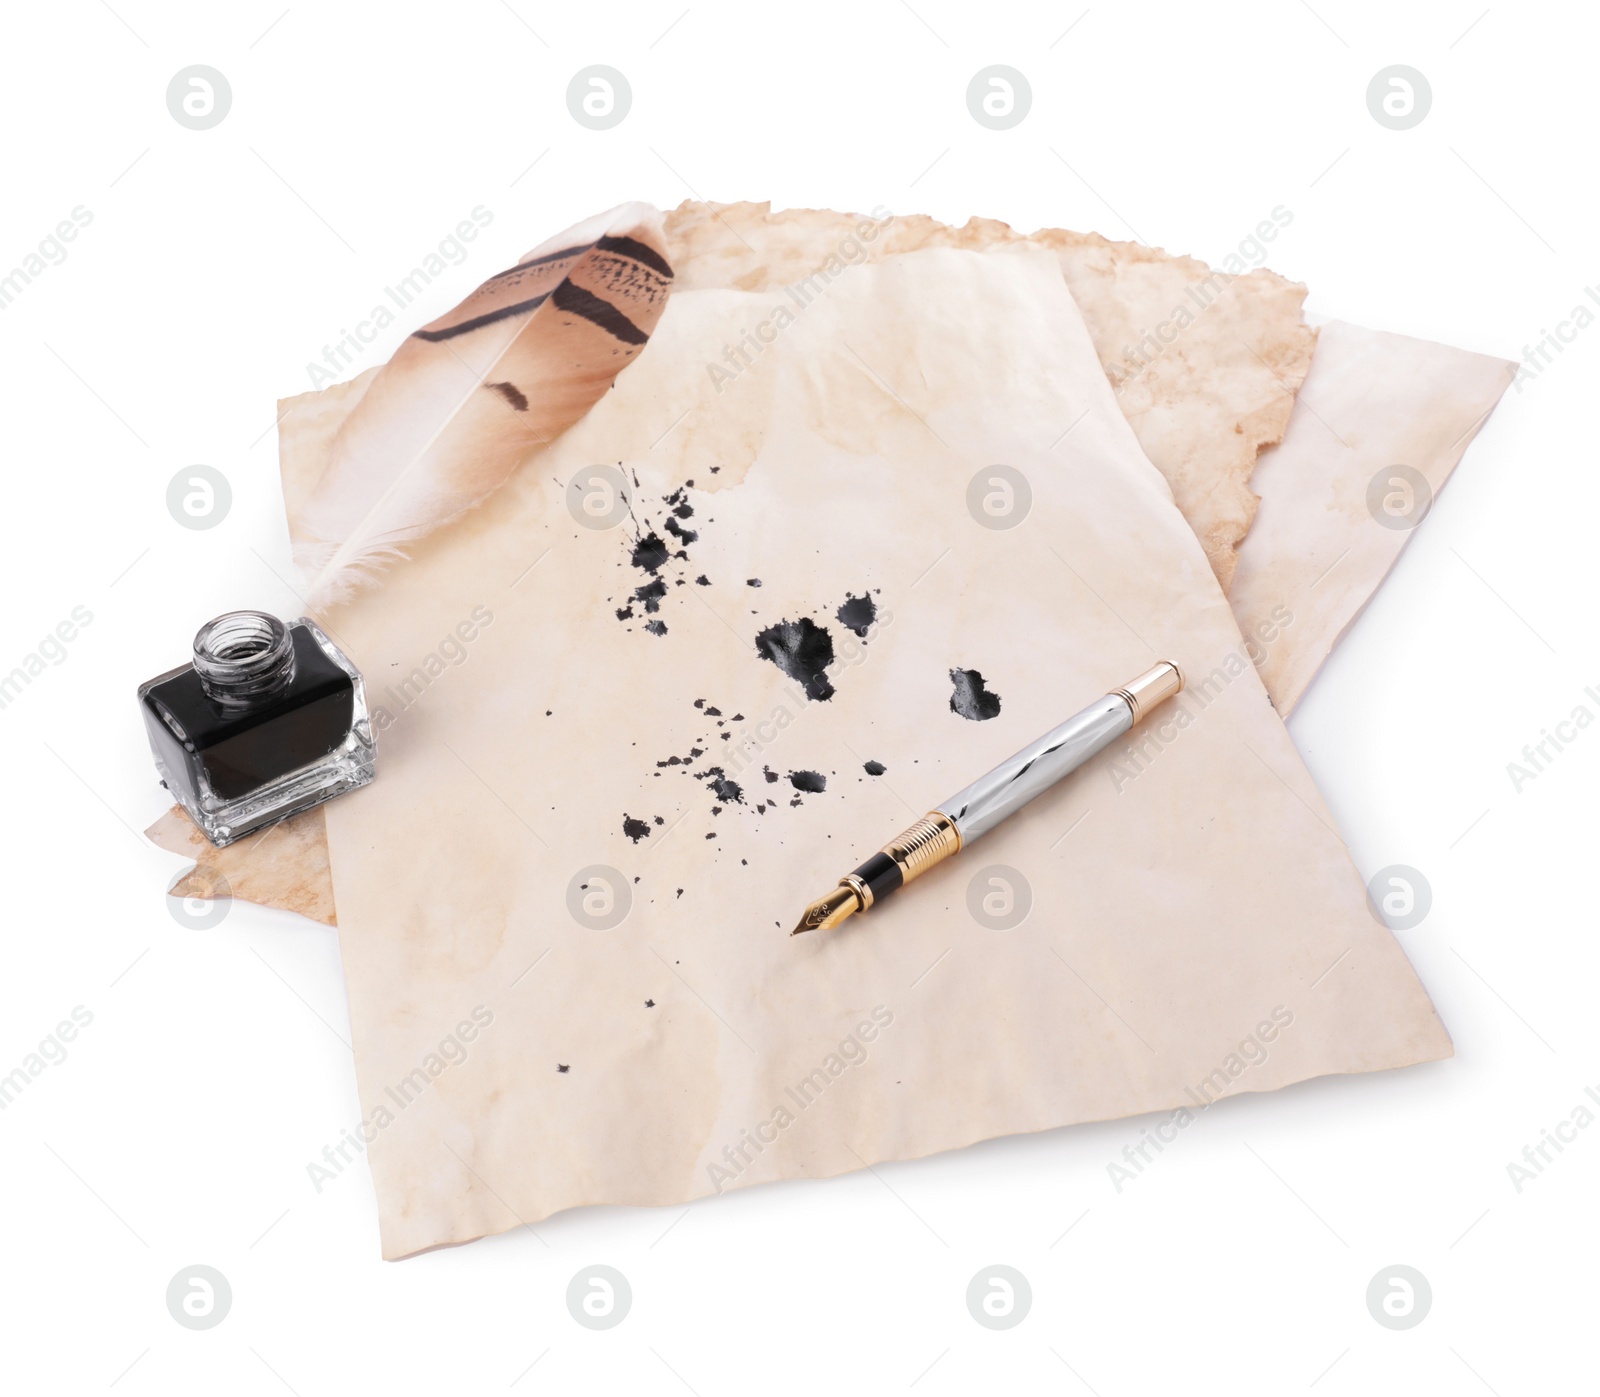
<point>269,719</point>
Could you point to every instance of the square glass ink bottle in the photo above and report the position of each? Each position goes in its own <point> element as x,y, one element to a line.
<point>267,720</point>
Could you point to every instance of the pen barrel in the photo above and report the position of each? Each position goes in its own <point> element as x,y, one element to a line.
<point>1037,767</point>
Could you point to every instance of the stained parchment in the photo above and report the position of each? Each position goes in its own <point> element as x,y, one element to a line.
<point>1381,423</point>
<point>1193,927</point>
<point>284,866</point>
<point>1205,361</point>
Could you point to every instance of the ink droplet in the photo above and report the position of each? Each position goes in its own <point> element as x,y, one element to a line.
<point>970,699</point>
<point>857,614</point>
<point>803,650</point>
<point>650,553</point>
<point>650,594</point>
<point>811,781</point>
<point>634,829</point>
<point>875,768</point>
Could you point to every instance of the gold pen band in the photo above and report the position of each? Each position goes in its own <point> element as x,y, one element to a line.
<point>931,840</point>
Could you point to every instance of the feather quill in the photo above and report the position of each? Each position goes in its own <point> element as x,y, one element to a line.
<point>468,397</point>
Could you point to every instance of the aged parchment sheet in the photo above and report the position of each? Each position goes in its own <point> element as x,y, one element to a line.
<point>1193,923</point>
<point>1205,360</point>
<point>1380,424</point>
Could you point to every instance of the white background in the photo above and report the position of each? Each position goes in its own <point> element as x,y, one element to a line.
<point>219,263</point>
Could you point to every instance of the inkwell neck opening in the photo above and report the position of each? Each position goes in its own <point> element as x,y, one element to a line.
<point>244,658</point>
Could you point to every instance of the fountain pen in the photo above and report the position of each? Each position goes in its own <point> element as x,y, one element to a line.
<point>972,813</point>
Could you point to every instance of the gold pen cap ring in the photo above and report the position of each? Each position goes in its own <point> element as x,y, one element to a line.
<point>1154,686</point>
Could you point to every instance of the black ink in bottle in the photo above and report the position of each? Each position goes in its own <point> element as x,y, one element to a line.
<point>267,720</point>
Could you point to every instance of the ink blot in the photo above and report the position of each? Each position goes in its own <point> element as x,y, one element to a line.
<point>803,650</point>
<point>857,614</point>
<point>752,582</point>
<point>650,553</point>
<point>677,530</point>
<point>658,628</point>
<point>730,791</point>
<point>702,581</point>
<point>770,774</point>
<point>563,1067</point>
<point>810,781</point>
<point>634,829</point>
<point>650,594</point>
<point>875,768</point>
<point>970,699</point>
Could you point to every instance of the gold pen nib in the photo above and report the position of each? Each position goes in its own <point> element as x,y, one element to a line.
<point>829,910</point>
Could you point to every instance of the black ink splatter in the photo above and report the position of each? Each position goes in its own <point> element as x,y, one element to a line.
<point>770,774</point>
<point>730,791</point>
<point>563,1067</point>
<point>650,553</point>
<point>970,699</point>
<point>685,536</point>
<point>649,1004</point>
<point>512,394</point>
<point>752,582</point>
<point>857,614</point>
<point>702,581</point>
<point>803,650</point>
<point>656,627</point>
<point>810,781</point>
<point>634,829</point>
<point>650,594</point>
<point>874,768</point>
